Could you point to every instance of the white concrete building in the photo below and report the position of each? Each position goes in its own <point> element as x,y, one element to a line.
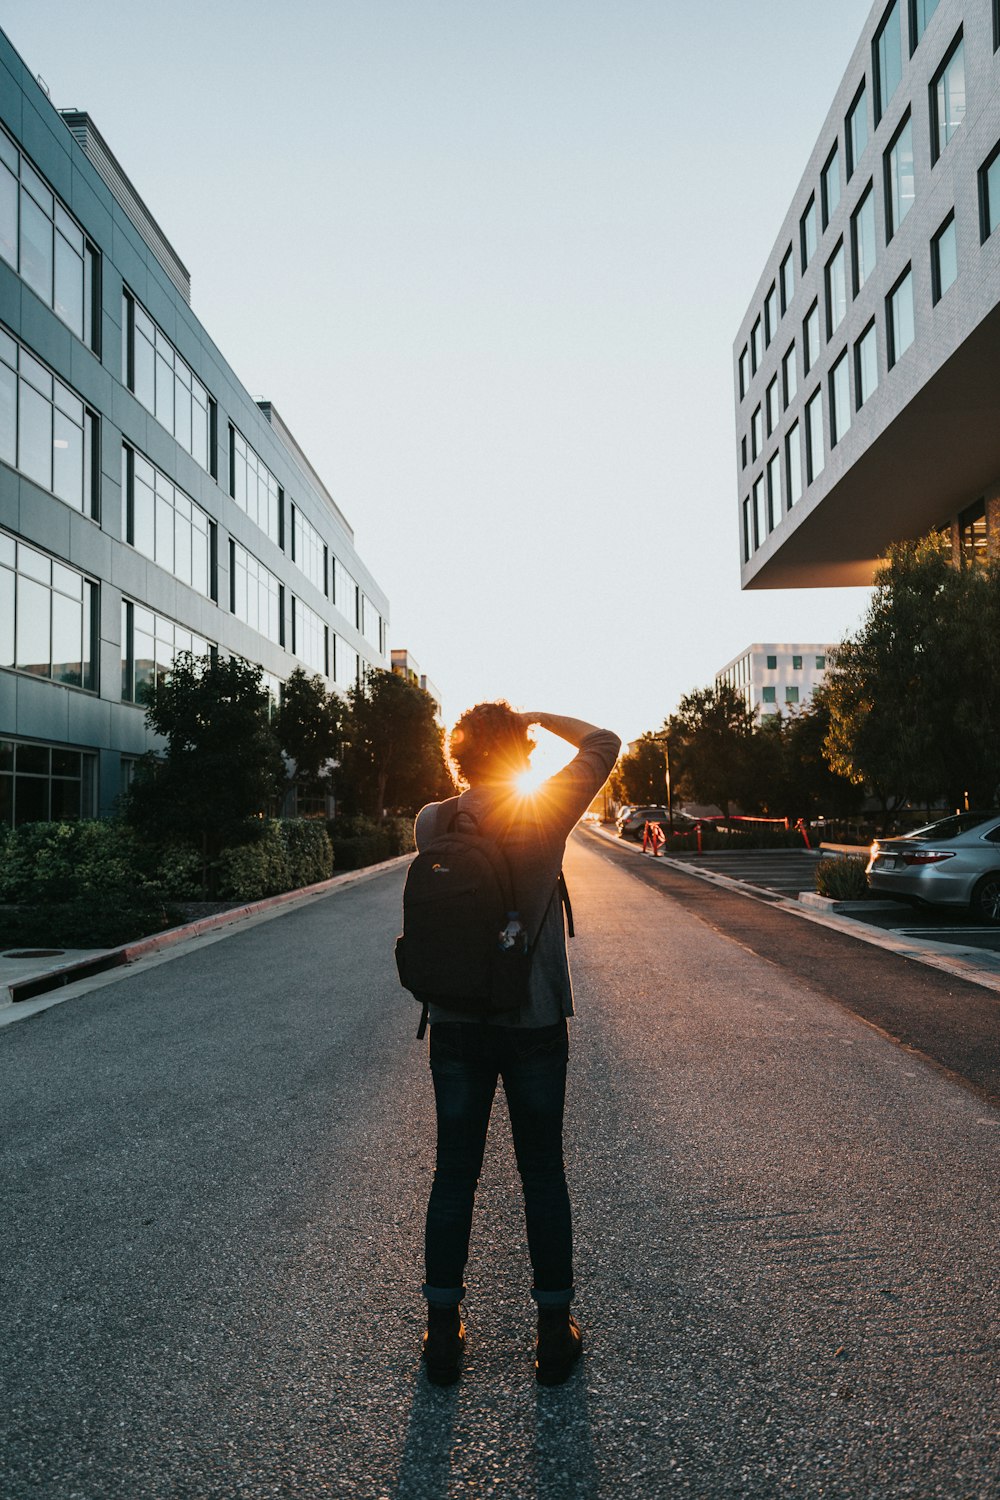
<point>776,678</point>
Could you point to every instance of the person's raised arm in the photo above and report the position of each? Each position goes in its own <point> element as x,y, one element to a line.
<point>575,731</point>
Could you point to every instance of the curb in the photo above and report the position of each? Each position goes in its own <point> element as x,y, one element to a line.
<point>970,964</point>
<point>129,953</point>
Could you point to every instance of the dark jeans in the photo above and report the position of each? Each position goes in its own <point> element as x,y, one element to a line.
<point>466,1061</point>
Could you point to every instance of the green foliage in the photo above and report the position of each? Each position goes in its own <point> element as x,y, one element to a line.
<point>842,879</point>
<point>711,739</point>
<point>221,767</point>
<point>392,754</point>
<point>289,853</point>
<point>360,841</point>
<point>641,774</point>
<point>914,696</point>
<point>308,727</point>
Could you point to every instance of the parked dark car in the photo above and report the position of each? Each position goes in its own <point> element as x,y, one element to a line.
<point>953,862</point>
<point>632,826</point>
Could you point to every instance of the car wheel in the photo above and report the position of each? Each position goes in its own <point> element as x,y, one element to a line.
<point>985,901</point>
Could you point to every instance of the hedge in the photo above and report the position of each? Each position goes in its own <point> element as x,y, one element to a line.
<point>842,879</point>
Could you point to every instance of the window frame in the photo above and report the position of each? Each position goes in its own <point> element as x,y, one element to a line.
<point>838,429</point>
<point>985,228</point>
<point>809,210</point>
<point>838,250</point>
<point>937,147</point>
<point>788,396</point>
<point>891,226</point>
<point>788,260</point>
<point>879,104</point>
<point>861,96</point>
<point>807,362</point>
<point>867,196</point>
<point>893,356</point>
<point>937,291</point>
<point>870,328</point>
<point>833,159</point>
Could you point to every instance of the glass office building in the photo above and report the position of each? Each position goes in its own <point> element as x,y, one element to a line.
<point>148,505</point>
<point>872,341</point>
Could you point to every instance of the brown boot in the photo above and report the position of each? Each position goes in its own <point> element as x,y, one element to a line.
<point>560,1344</point>
<point>444,1343</point>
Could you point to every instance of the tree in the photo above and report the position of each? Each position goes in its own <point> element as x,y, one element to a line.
<point>309,726</point>
<point>914,696</point>
<point>791,774</point>
<point>641,774</point>
<point>711,746</point>
<point>221,766</point>
<point>392,753</point>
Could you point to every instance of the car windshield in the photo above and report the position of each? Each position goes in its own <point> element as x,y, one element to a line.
<point>950,828</point>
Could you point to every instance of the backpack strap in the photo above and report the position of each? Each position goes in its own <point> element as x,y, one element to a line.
<point>567,905</point>
<point>422,1028</point>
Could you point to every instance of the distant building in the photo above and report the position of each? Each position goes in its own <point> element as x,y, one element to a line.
<point>867,364</point>
<point>404,665</point>
<point>148,505</point>
<point>776,678</point>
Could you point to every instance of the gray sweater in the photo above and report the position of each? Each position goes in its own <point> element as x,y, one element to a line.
<point>533,831</point>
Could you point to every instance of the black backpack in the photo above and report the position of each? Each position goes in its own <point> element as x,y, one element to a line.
<point>458,895</point>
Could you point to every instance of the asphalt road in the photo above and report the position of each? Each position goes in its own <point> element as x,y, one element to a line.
<point>215,1171</point>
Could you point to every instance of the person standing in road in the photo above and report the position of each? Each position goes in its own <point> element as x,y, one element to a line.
<point>526,1049</point>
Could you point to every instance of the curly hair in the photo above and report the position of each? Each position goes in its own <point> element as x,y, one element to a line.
<point>489,742</point>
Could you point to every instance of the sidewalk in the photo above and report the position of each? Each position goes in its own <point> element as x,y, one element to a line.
<point>31,978</point>
<point>972,964</point>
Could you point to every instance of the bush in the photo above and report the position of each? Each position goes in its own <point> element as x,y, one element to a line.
<point>842,879</point>
<point>290,853</point>
<point>359,842</point>
<point>309,851</point>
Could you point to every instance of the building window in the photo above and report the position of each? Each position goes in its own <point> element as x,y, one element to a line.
<point>865,365</point>
<point>920,13</point>
<point>772,663</point>
<point>815,458</point>
<point>46,432</point>
<point>887,59</point>
<point>792,693</point>
<point>345,593</point>
<point>948,98</point>
<point>836,290</point>
<point>900,317</point>
<point>46,247</point>
<point>821,663</point>
<point>972,538</point>
<point>796,664</point>
<point>989,193</point>
<point>47,617</point>
<point>793,464</point>
<point>255,594</point>
<point>309,638</point>
<point>829,183</point>
<point>164,524</point>
<point>787,279</point>
<point>346,664</point>
<point>900,187</point>
<point>308,551</point>
<point>756,433</point>
<point>744,371</point>
<point>759,518</point>
<point>810,338</point>
<point>772,406</point>
<point>371,623</point>
<point>788,376</point>
<point>996,24</point>
<point>747,547</point>
<point>254,488</point>
<point>863,243</point>
<point>807,232</point>
<point>840,399</point>
<point>164,383</point>
<point>743,452</point>
<point>150,643</point>
<point>856,129</point>
<point>773,491</point>
<point>756,347</point>
<point>45,783</point>
<point>944,258</point>
<point>770,314</point>
<point>769,694</point>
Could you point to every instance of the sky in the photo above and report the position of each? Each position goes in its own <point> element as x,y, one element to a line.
<point>488,259</point>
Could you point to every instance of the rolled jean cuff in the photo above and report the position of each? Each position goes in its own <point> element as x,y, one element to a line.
<point>443,1296</point>
<point>553,1299</point>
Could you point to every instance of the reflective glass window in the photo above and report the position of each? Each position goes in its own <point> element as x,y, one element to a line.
<point>165,384</point>
<point>901,327</point>
<point>345,592</point>
<point>989,194</point>
<point>254,487</point>
<point>34,445</point>
<point>815,457</point>
<point>840,399</point>
<point>857,129</point>
<point>770,314</point>
<point>830,186</point>
<point>944,258</point>
<point>774,507</point>
<point>865,365</point>
<point>346,663</point>
<point>42,242</point>
<point>788,375</point>
<point>836,290</point>
<point>948,98</point>
<point>8,415</point>
<point>888,58</point>
<point>744,371</point>
<point>36,248</point>
<point>756,433</point>
<point>773,409</point>
<point>769,694</point>
<point>8,215</point>
<point>921,12</point>
<point>900,183</point>
<point>309,637</point>
<point>150,644</point>
<point>759,518</point>
<point>808,232</point>
<point>164,524</point>
<point>308,551</point>
<point>46,615</point>
<point>787,280</point>
<point>810,337</point>
<point>256,594</point>
<point>863,241</point>
<point>756,347</point>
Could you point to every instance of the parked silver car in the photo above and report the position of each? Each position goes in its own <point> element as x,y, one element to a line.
<point>955,862</point>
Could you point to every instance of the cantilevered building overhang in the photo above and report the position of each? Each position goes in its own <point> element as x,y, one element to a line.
<point>867,368</point>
